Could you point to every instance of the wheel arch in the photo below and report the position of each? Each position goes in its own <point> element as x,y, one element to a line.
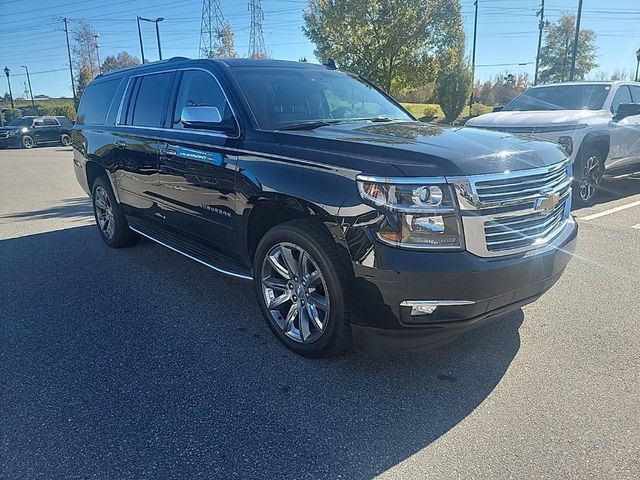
<point>269,210</point>
<point>94,170</point>
<point>599,140</point>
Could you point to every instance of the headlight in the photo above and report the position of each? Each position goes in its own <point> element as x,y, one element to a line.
<point>417,215</point>
<point>13,133</point>
<point>566,142</point>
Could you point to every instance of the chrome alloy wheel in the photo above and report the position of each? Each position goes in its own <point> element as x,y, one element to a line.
<point>295,292</point>
<point>104,212</point>
<point>27,142</point>
<point>591,177</point>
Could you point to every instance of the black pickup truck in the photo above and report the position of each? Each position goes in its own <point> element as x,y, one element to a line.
<point>355,222</point>
<point>27,132</point>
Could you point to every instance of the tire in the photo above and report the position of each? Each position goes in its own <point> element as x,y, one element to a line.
<point>65,139</point>
<point>27,141</point>
<point>587,171</point>
<point>110,219</point>
<point>295,313</point>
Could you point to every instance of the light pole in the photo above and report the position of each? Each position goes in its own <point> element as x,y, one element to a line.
<point>637,64</point>
<point>575,43</point>
<point>96,36</point>
<point>30,91</point>
<point>140,37</point>
<point>156,21</point>
<point>7,72</point>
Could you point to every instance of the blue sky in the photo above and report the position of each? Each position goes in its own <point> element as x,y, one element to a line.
<point>507,33</point>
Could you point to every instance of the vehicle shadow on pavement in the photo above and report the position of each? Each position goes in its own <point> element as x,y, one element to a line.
<point>138,363</point>
<point>69,208</point>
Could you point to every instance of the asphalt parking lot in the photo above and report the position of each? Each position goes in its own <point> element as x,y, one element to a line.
<point>138,363</point>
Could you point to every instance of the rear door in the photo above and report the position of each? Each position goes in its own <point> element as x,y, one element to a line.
<point>52,129</point>
<point>137,138</point>
<point>40,131</point>
<point>197,166</point>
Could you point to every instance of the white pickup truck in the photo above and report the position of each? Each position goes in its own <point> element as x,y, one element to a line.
<point>598,124</point>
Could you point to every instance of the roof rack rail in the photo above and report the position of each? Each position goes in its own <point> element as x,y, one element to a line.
<point>168,60</point>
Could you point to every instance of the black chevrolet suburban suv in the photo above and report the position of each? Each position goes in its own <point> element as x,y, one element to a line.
<point>356,223</point>
<point>26,132</point>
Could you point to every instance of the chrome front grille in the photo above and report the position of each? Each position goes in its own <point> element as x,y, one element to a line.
<point>521,231</point>
<point>514,212</point>
<point>522,187</point>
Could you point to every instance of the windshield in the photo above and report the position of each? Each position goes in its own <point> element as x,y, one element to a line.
<point>281,97</point>
<point>20,122</point>
<point>561,97</point>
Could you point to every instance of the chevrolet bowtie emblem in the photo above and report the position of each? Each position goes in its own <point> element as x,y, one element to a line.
<point>547,203</point>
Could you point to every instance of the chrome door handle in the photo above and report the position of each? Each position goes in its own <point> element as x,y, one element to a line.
<point>168,152</point>
<point>121,143</point>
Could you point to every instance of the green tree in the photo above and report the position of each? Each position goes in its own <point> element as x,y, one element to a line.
<point>121,60</point>
<point>84,56</point>
<point>555,55</point>
<point>393,43</point>
<point>453,86</point>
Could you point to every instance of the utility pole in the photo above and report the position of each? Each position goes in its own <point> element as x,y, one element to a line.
<point>575,42</point>
<point>158,37</point>
<point>73,86</point>
<point>473,54</point>
<point>96,36</point>
<point>140,37</point>
<point>33,104</point>
<point>541,28</point>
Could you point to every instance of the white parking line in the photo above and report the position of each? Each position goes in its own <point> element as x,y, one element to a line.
<point>636,226</point>
<point>610,211</point>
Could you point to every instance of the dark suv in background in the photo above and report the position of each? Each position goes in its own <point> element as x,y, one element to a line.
<point>353,220</point>
<point>27,132</point>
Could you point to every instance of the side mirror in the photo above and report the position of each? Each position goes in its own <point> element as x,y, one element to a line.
<point>497,108</point>
<point>201,117</point>
<point>627,110</point>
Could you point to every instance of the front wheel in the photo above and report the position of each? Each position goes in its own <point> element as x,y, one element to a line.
<point>302,289</point>
<point>65,140</point>
<point>588,172</point>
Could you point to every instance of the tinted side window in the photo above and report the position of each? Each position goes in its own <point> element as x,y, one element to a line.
<point>635,93</point>
<point>622,96</point>
<point>149,103</point>
<point>38,123</point>
<point>200,89</point>
<point>50,122</point>
<point>96,101</point>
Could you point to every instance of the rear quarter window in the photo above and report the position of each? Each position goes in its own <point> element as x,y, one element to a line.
<point>95,103</point>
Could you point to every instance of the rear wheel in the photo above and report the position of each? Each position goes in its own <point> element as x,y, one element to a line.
<point>302,288</point>
<point>588,171</point>
<point>65,140</point>
<point>110,219</point>
<point>27,141</point>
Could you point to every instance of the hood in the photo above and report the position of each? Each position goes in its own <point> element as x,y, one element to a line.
<point>422,149</point>
<point>5,129</point>
<point>549,119</point>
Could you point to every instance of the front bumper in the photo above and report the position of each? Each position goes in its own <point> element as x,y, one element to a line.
<point>386,276</point>
<point>13,141</point>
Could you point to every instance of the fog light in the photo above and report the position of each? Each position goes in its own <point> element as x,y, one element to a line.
<point>423,309</point>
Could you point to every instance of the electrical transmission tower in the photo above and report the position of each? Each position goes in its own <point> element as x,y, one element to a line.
<point>256,38</point>
<point>211,29</point>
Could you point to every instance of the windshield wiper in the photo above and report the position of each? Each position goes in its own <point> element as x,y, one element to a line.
<point>310,125</point>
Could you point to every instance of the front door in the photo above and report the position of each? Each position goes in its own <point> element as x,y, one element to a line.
<point>624,133</point>
<point>197,166</point>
